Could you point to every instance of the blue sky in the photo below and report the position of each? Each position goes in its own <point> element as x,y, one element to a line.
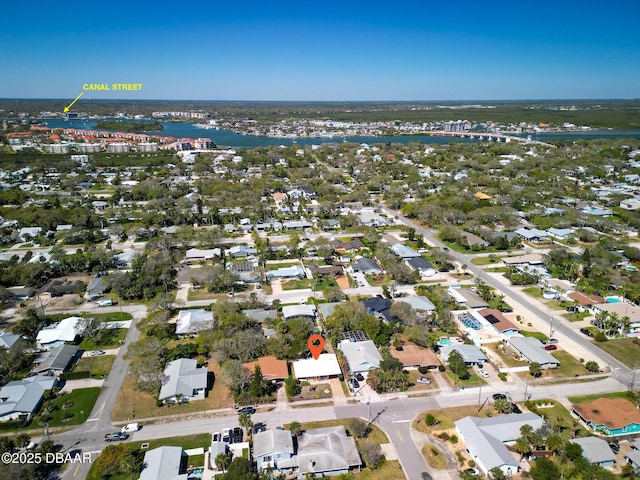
<point>348,50</point>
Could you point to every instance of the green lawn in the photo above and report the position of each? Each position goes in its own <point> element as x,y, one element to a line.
<point>623,349</point>
<point>473,381</point>
<point>533,291</point>
<point>485,260</point>
<point>75,406</point>
<point>559,416</point>
<point>101,317</point>
<point>590,398</point>
<point>539,335</point>
<point>98,366</point>
<point>569,366</point>
<point>111,338</point>
<point>296,284</point>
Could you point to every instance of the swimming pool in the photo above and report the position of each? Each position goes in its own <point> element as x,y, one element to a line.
<point>445,341</point>
<point>612,299</point>
<point>470,322</point>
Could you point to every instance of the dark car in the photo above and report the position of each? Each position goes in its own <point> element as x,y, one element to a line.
<point>238,435</point>
<point>249,410</point>
<point>588,333</point>
<point>499,396</point>
<point>515,408</point>
<point>506,309</point>
<point>446,250</point>
<point>359,377</point>
<point>355,383</point>
<point>426,476</point>
<point>550,347</point>
<point>259,427</point>
<point>615,448</point>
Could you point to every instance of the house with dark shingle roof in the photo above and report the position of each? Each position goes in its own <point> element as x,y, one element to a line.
<point>56,360</point>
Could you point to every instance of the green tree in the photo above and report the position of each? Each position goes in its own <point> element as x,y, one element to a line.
<point>295,428</point>
<point>502,405</point>
<point>545,469</point>
<point>357,427</point>
<point>239,469</point>
<point>592,366</point>
<point>244,419</point>
<point>457,365</point>
<point>535,369</point>
<point>496,473</point>
<point>222,461</point>
<point>111,459</point>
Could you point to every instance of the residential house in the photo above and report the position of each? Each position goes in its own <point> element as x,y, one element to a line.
<point>379,306</point>
<point>466,296</point>
<point>351,246</point>
<point>183,381</point>
<point>584,300</point>
<point>241,251</point>
<point>560,233</point>
<point>486,439</point>
<point>324,367</point>
<point>260,314</point>
<point>532,350</point>
<point>401,250</point>
<point>295,271</point>
<point>97,287</point>
<point>361,356</point>
<point>21,293</point>
<point>419,303</point>
<point>247,272</point>
<point>272,447</point>
<point>324,452</point>
<point>8,340</point>
<point>367,266</point>
<point>471,355</point>
<point>164,463</point>
<point>474,240</point>
<point>290,312</point>
<point>609,416</point>
<point>23,397</point>
<point>628,310</point>
<point>65,330</point>
<point>125,259</point>
<point>271,368</point>
<point>630,204</point>
<point>423,266</point>
<point>528,259</point>
<point>194,321</point>
<point>499,322</point>
<point>532,234</point>
<point>27,234</point>
<point>596,451</point>
<point>56,360</point>
<point>196,255</point>
<point>58,288</point>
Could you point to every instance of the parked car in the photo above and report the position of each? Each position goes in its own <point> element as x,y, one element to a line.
<point>483,373</point>
<point>227,435</point>
<point>446,249</point>
<point>550,347</point>
<point>424,380</point>
<point>552,340</point>
<point>499,396</point>
<point>354,383</point>
<point>615,447</point>
<point>130,427</point>
<point>96,353</point>
<point>216,437</point>
<point>472,471</point>
<point>238,435</point>
<point>115,436</point>
<point>259,427</point>
<point>359,377</point>
<point>248,410</point>
<point>104,302</point>
<point>426,476</point>
<point>586,332</point>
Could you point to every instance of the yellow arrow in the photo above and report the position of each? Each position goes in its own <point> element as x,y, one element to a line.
<point>66,109</point>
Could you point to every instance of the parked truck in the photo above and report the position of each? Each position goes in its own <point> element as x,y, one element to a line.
<point>115,436</point>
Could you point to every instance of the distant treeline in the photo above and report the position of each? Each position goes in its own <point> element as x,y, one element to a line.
<point>134,127</point>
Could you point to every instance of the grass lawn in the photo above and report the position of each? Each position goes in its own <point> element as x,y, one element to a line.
<point>111,338</point>
<point>277,265</point>
<point>590,398</point>
<point>623,349</point>
<point>390,470</point>
<point>569,366</point>
<point>486,260</point>
<point>434,457</point>
<point>557,415</point>
<point>506,354</point>
<point>186,442</point>
<point>326,283</point>
<point>539,335</point>
<point>75,405</point>
<point>101,317</point>
<point>98,366</point>
<point>202,294</point>
<point>413,377</point>
<point>132,403</point>
<point>296,284</point>
<point>473,381</point>
<point>533,291</point>
<point>378,280</point>
<point>576,316</point>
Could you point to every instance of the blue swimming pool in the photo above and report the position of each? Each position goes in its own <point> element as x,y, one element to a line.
<point>470,322</point>
<point>445,341</point>
<point>612,299</point>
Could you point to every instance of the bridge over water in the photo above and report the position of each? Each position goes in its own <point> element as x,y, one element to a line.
<point>497,137</point>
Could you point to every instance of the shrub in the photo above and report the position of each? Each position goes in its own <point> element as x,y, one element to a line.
<point>430,420</point>
<point>357,428</point>
<point>423,370</point>
<point>600,337</point>
<point>592,367</point>
<point>502,376</point>
<point>453,439</point>
<point>444,436</point>
<point>441,368</point>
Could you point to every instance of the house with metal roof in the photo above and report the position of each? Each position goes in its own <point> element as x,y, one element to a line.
<point>164,463</point>
<point>532,350</point>
<point>471,354</point>
<point>194,255</point>
<point>194,321</point>
<point>596,450</point>
<point>65,330</point>
<point>295,271</point>
<point>55,360</point>
<point>290,312</point>
<point>23,397</point>
<point>466,296</point>
<point>125,259</point>
<point>272,447</point>
<point>8,340</point>
<point>485,439</point>
<point>419,302</point>
<point>532,234</point>
<point>401,250</point>
<point>324,452</point>
<point>260,314</point>
<point>361,356</point>
<point>368,266</point>
<point>183,381</point>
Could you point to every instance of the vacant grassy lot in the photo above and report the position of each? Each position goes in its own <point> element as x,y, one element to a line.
<point>473,381</point>
<point>72,408</point>
<point>413,377</point>
<point>98,367</point>
<point>134,404</point>
<point>623,349</point>
<point>295,284</point>
<point>506,354</point>
<point>109,338</point>
<point>446,416</point>
<point>202,294</point>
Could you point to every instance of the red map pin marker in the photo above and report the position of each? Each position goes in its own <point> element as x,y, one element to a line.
<point>316,344</point>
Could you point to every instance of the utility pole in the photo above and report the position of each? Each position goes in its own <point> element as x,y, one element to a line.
<point>551,328</point>
<point>526,387</point>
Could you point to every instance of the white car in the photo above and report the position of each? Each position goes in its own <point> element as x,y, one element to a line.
<point>97,353</point>
<point>483,373</point>
<point>424,380</point>
<point>130,428</point>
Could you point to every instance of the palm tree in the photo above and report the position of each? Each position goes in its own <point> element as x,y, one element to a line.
<point>222,461</point>
<point>555,443</point>
<point>523,447</point>
<point>295,428</point>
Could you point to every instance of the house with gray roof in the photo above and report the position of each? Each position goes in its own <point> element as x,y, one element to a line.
<point>8,340</point>
<point>532,350</point>
<point>485,439</point>
<point>423,266</point>
<point>295,271</point>
<point>401,250</point>
<point>596,450</point>
<point>260,314</point>
<point>532,234</point>
<point>290,312</point>
<point>324,452</point>
<point>326,309</point>
<point>361,356</point>
<point>194,255</point>
<point>367,266</point>
<point>164,463</point>
<point>193,321</point>
<point>125,259</point>
<point>471,354</point>
<point>272,447</point>
<point>420,303</point>
<point>23,397</point>
<point>183,381</point>
<point>55,360</point>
